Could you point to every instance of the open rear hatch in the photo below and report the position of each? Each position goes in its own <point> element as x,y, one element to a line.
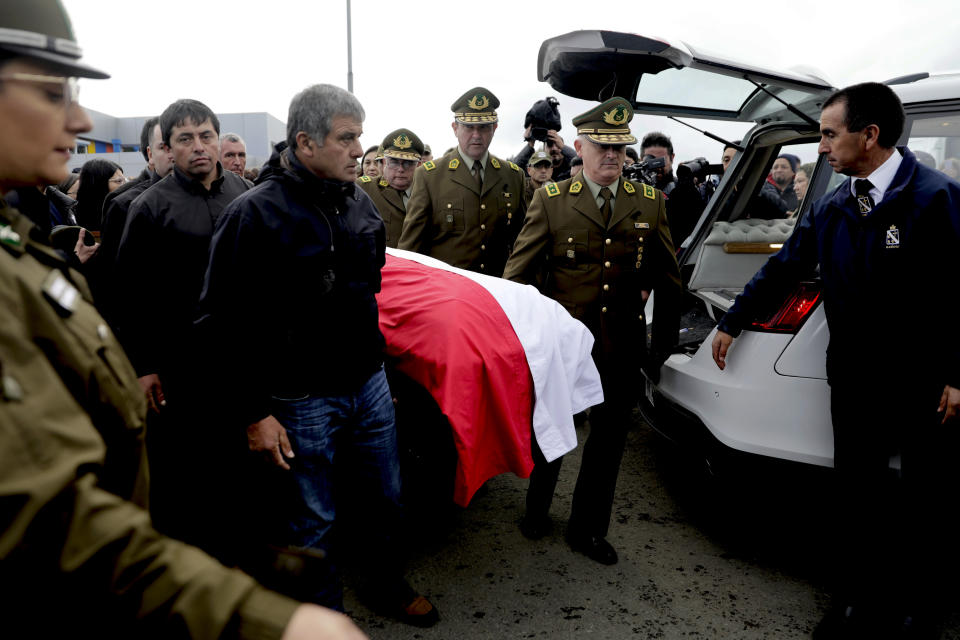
<point>674,79</point>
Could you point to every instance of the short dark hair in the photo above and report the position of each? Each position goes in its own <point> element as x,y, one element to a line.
<point>732,145</point>
<point>369,150</point>
<point>576,162</point>
<point>656,139</point>
<point>871,103</point>
<point>632,152</point>
<point>145,135</point>
<point>182,110</point>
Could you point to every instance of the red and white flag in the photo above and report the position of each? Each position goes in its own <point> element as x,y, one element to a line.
<point>492,353</point>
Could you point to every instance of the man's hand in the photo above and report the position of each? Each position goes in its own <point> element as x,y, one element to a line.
<point>311,622</point>
<point>949,404</point>
<point>152,388</point>
<point>554,139</point>
<point>528,136</point>
<point>644,295</point>
<point>83,251</point>
<point>721,342</point>
<point>269,436</point>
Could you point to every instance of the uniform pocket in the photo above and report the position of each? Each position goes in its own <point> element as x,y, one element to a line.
<point>451,216</point>
<point>570,248</point>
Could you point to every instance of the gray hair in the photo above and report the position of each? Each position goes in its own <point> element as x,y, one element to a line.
<point>232,137</point>
<point>313,110</point>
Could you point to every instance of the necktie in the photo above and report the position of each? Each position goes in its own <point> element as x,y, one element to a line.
<point>478,174</point>
<point>607,195</point>
<point>864,200</point>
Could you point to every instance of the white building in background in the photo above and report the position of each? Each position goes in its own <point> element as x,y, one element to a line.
<point>118,139</point>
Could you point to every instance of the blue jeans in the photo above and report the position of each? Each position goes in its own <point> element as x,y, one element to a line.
<point>344,442</point>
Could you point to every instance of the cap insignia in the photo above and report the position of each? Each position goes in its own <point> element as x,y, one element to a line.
<point>616,116</point>
<point>402,142</point>
<point>479,102</point>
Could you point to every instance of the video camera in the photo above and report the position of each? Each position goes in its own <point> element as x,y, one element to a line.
<point>645,171</point>
<point>543,116</point>
<point>697,168</point>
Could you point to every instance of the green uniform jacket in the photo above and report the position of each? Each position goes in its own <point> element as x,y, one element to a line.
<point>389,203</point>
<point>449,219</point>
<point>597,272</point>
<point>78,554</point>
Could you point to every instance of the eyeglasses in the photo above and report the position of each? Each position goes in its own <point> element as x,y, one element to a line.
<point>401,164</point>
<point>119,180</point>
<point>68,96</point>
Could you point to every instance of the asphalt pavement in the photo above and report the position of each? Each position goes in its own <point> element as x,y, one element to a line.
<point>700,557</point>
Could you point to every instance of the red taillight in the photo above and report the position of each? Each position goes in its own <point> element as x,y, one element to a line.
<point>794,311</point>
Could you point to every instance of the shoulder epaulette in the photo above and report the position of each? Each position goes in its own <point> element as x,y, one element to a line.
<point>429,165</point>
<point>649,192</point>
<point>552,189</point>
<point>494,162</point>
<point>575,187</point>
<point>364,178</point>
<point>454,163</point>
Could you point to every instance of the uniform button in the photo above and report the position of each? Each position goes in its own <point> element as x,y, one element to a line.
<point>640,238</point>
<point>483,206</point>
<point>640,316</point>
<point>607,264</point>
<point>607,241</point>
<point>603,309</point>
<point>606,287</point>
<point>449,206</point>
<point>483,227</point>
<point>483,247</point>
<point>509,215</point>
<point>102,331</point>
<point>481,266</point>
<point>570,239</point>
<point>509,204</point>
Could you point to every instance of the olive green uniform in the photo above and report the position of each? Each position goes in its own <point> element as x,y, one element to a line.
<point>78,554</point>
<point>597,272</point>
<point>389,203</point>
<point>451,219</point>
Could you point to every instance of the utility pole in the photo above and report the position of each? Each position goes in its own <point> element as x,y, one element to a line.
<point>349,52</point>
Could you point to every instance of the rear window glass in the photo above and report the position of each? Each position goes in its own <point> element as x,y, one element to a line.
<point>936,143</point>
<point>694,88</point>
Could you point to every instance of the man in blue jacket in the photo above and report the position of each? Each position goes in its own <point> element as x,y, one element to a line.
<point>887,244</point>
<point>289,306</point>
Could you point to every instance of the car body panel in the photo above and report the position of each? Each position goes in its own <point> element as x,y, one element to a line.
<point>748,409</point>
<point>805,357</point>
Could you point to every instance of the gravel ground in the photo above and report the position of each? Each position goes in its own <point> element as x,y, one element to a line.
<point>699,558</point>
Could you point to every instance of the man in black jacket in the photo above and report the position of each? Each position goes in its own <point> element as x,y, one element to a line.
<point>116,206</point>
<point>162,258</point>
<point>293,273</point>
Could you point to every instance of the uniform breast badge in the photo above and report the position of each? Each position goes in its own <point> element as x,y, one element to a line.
<point>893,237</point>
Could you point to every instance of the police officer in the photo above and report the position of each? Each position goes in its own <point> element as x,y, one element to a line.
<point>78,554</point>
<point>467,207</point>
<point>539,172</point>
<point>598,244</point>
<point>390,193</point>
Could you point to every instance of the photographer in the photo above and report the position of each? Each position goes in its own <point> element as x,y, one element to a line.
<point>686,196</point>
<point>542,123</point>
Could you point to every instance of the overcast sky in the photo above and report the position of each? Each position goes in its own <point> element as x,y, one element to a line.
<point>411,59</point>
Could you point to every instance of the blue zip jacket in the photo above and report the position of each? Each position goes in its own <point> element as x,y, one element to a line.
<point>889,278</point>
